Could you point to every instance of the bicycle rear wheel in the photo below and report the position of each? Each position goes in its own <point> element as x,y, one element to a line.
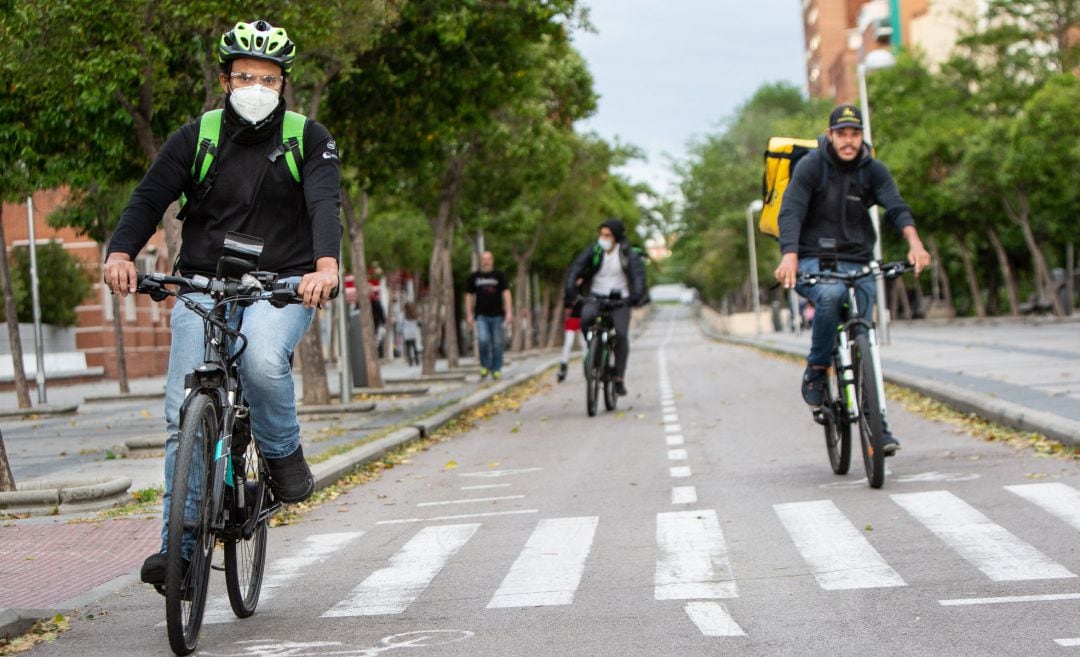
<point>611,400</point>
<point>592,376</point>
<point>870,421</point>
<point>190,513</point>
<point>245,558</point>
<point>837,426</point>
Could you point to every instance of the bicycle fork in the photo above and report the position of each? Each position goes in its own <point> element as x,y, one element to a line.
<point>846,376</point>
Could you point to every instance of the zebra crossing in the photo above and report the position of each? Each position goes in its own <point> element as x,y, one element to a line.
<point>692,559</point>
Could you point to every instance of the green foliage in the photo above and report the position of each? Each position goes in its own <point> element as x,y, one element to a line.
<point>62,284</point>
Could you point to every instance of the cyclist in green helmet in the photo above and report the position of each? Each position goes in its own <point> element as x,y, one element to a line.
<point>257,182</point>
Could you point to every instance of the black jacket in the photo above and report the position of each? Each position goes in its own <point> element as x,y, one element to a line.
<point>251,194</point>
<point>831,198</point>
<point>587,263</point>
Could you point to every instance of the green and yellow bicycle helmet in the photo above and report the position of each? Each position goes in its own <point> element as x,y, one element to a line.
<point>258,40</point>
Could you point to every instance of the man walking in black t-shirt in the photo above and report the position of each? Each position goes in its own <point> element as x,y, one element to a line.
<point>488,307</point>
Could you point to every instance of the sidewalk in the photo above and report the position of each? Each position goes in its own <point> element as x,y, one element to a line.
<point>1021,374</point>
<point>49,565</point>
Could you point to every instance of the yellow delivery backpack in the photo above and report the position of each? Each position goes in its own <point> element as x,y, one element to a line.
<point>782,155</point>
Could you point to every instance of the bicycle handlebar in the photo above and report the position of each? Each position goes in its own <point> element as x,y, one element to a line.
<point>888,271</point>
<point>256,286</point>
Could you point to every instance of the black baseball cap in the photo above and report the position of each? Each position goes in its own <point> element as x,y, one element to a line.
<point>845,116</point>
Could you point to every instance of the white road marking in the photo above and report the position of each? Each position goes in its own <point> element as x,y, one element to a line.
<point>692,561</point>
<point>548,570</point>
<point>470,500</point>
<point>925,477</point>
<point>315,549</point>
<point>991,548</point>
<point>676,455</point>
<point>671,417</point>
<point>1049,597</point>
<point>713,619</point>
<point>684,495</point>
<point>674,439</point>
<point>461,516</point>
<point>680,471</point>
<point>672,428</point>
<point>1061,500</point>
<point>392,589</point>
<point>1067,643</point>
<point>498,473</point>
<point>839,555</point>
<point>482,486</point>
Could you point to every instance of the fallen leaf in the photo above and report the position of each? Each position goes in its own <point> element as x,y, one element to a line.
<point>344,508</point>
<point>450,465</point>
<point>146,413</point>
<point>641,416</point>
<point>868,527</point>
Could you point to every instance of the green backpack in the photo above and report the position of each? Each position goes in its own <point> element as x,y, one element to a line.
<point>292,147</point>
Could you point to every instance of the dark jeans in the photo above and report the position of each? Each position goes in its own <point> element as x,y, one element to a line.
<point>412,356</point>
<point>621,319</point>
<point>828,298</point>
<point>490,339</point>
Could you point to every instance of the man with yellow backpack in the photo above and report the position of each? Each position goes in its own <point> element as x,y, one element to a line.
<point>829,196</point>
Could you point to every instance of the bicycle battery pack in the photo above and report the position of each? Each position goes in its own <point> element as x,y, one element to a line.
<point>827,254</point>
<point>239,255</point>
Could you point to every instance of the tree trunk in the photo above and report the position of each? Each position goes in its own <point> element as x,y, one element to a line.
<point>450,328</point>
<point>118,333</point>
<point>555,328</point>
<point>942,277</point>
<point>440,228</point>
<point>355,224</point>
<point>1020,213</point>
<point>545,317</point>
<point>521,300</point>
<point>7,480</point>
<point>313,367</point>
<point>1070,274</point>
<point>22,388</point>
<point>972,279</point>
<point>1006,271</point>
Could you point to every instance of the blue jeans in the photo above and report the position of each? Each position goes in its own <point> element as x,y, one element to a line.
<point>490,337</point>
<point>828,298</point>
<point>265,371</point>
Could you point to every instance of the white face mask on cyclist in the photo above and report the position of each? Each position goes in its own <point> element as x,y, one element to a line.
<point>605,243</point>
<point>253,103</point>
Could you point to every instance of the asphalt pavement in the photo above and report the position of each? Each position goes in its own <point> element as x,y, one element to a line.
<point>700,518</point>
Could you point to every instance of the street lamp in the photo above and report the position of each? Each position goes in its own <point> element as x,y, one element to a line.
<point>873,61</point>
<point>754,206</point>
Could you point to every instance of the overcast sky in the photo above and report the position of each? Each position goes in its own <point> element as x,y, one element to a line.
<point>667,71</point>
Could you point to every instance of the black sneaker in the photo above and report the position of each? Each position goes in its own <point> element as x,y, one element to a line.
<point>562,372</point>
<point>620,388</point>
<point>153,569</point>
<point>813,386</point>
<point>290,477</point>
<point>890,444</point>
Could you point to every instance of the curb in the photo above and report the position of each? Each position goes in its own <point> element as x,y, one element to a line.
<point>336,409</point>
<point>69,496</point>
<point>14,622</point>
<point>24,413</point>
<point>121,397</point>
<point>990,408</point>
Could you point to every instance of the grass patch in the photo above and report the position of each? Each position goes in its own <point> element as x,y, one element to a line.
<point>43,631</point>
<point>511,400</point>
<point>143,501</point>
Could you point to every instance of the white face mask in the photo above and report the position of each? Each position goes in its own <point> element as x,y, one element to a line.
<point>254,103</point>
<point>605,243</point>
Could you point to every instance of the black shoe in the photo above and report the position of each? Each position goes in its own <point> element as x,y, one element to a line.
<point>154,570</point>
<point>290,477</point>
<point>813,386</point>
<point>562,372</point>
<point>890,444</point>
<point>620,388</point>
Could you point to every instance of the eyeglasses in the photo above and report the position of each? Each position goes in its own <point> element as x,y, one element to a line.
<point>247,79</point>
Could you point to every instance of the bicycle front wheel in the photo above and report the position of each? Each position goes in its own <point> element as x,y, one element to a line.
<point>611,400</point>
<point>837,426</point>
<point>245,558</point>
<point>871,430</point>
<point>592,376</point>
<point>188,575</point>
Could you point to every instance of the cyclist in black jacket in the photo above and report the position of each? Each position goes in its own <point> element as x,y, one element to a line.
<point>251,191</point>
<point>831,192</point>
<point>609,264</point>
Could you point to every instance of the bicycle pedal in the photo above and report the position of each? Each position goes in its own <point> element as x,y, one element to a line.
<point>220,568</point>
<point>822,415</point>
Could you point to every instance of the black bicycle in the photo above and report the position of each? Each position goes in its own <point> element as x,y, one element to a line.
<point>855,389</point>
<point>599,361</point>
<point>219,476</point>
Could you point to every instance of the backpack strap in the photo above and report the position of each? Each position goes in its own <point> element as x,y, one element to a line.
<point>207,147</point>
<point>292,136</point>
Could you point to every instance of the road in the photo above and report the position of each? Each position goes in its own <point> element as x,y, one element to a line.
<point>701,518</point>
